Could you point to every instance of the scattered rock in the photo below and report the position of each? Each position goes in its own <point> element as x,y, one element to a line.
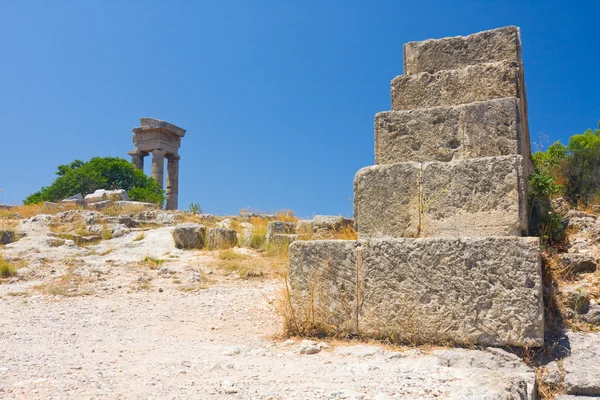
<point>551,374</point>
<point>189,236</point>
<point>308,347</point>
<point>576,299</point>
<point>279,227</point>
<point>592,316</point>
<point>357,351</point>
<point>7,236</point>
<point>578,263</point>
<point>283,238</point>
<point>560,206</point>
<point>229,387</point>
<point>582,375</point>
<point>221,238</point>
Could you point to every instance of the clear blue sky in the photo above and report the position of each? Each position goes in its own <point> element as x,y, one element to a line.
<point>278,97</point>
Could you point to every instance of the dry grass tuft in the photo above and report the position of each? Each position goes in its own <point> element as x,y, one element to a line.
<point>67,285</point>
<point>140,236</point>
<point>7,270</point>
<point>286,216</point>
<point>347,233</point>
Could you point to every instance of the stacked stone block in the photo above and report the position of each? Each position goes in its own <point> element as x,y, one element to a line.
<point>441,216</point>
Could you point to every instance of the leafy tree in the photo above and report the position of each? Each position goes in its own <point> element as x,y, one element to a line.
<point>99,173</point>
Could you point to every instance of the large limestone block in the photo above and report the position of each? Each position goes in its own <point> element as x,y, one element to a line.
<point>503,44</point>
<point>279,227</point>
<point>478,82</point>
<point>475,197</point>
<point>467,290</point>
<point>222,238</point>
<point>189,236</point>
<point>323,283</point>
<point>387,200</point>
<point>480,129</point>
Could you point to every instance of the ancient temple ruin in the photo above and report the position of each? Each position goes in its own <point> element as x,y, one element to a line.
<point>162,139</point>
<point>442,253</point>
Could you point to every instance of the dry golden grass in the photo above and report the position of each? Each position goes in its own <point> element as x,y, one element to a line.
<point>114,210</point>
<point>286,216</point>
<point>347,233</point>
<point>67,285</point>
<point>8,224</point>
<point>7,269</point>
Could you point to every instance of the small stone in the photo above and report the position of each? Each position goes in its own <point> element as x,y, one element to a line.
<point>308,347</point>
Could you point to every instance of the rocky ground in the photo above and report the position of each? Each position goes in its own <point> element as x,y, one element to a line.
<point>134,317</point>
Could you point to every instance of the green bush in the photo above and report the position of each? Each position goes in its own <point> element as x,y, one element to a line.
<point>573,169</point>
<point>99,173</point>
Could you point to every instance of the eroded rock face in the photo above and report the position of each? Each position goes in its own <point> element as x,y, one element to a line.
<point>582,375</point>
<point>482,129</point>
<point>324,271</point>
<point>387,200</point>
<point>7,236</point>
<point>473,83</point>
<point>474,197</point>
<point>279,227</point>
<point>466,290</point>
<point>189,236</point>
<point>501,44</point>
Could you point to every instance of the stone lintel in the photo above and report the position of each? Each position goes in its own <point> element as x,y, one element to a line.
<point>485,290</point>
<point>151,123</point>
<point>502,44</point>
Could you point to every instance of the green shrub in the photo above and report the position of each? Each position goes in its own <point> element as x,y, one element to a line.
<point>99,173</point>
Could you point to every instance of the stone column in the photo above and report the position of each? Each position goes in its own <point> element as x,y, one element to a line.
<point>137,158</point>
<point>172,181</point>
<point>158,166</point>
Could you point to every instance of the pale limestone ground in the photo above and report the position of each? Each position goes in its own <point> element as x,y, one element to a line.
<point>122,342</point>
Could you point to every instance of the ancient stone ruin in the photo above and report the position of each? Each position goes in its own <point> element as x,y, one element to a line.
<point>442,217</point>
<point>162,139</point>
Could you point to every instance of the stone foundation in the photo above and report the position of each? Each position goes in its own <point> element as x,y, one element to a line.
<point>465,290</point>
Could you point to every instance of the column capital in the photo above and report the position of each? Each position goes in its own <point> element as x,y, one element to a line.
<point>137,153</point>
<point>159,153</point>
<point>173,157</point>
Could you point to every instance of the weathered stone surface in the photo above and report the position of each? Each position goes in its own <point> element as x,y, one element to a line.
<point>467,290</point>
<point>578,263</point>
<point>323,282</point>
<point>221,238</point>
<point>481,129</point>
<point>284,238</point>
<point>576,299</point>
<point>475,197</point>
<point>503,44</point>
<point>104,195</point>
<point>279,227</point>
<point>387,200</point>
<point>7,236</point>
<point>453,87</point>
<point>189,236</point>
<point>582,374</point>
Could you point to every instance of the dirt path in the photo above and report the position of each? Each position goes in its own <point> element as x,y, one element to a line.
<point>126,341</point>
